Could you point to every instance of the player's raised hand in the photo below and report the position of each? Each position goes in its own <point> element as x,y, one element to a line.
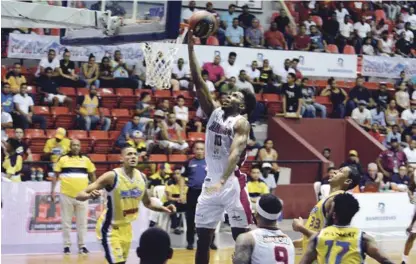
<point>191,39</point>
<point>297,224</point>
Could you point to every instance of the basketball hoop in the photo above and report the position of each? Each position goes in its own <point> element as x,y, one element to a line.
<point>159,57</point>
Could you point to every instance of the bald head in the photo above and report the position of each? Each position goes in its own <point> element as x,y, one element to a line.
<point>75,146</point>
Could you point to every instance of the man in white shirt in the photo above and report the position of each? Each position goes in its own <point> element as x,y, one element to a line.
<point>6,122</point>
<point>187,13</point>
<point>308,23</point>
<point>235,34</point>
<point>346,28</point>
<point>362,115</point>
<point>409,115</point>
<point>49,62</point>
<point>139,72</point>
<point>242,82</point>
<point>411,17</point>
<point>287,68</point>
<point>362,28</point>
<point>408,33</point>
<point>23,104</point>
<point>181,73</point>
<point>230,68</point>
<point>341,12</point>
<point>410,152</point>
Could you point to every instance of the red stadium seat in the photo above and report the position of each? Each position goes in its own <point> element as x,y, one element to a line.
<point>317,20</point>
<point>68,91</point>
<point>108,98</point>
<point>115,159</point>
<point>332,48</point>
<point>45,112</point>
<point>120,117</point>
<point>158,158</point>
<point>36,157</point>
<point>178,158</point>
<point>380,14</point>
<point>105,111</point>
<point>196,136</point>
<point>36,139</point>
<point>162,94</point>
<point>126,98</point>
<point>102,141</point>
<point>82,91</point>
<point>82,136</point>
<point>189,99</point>
<point>101,167</point>
<point>62,117</point>
<point>273,103</point>
<point>348,49</point>
<point>259,98</point>
<point>10,132</point>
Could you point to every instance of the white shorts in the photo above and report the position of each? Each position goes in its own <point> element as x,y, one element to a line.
<point>173,145</point>
<point>232,198</point>
<point>61,98</point>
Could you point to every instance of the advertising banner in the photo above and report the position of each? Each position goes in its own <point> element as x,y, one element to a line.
<point>388,67</point>
<point>310,63</point>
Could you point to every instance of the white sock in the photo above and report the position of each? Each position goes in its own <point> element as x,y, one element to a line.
<point>405,258</point>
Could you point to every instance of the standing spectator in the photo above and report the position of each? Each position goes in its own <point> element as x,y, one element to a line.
<point>392,114</point>
<point>359,93</point>
<point>283,22</point>
<point>50,90</point>
<point>393,8</point>
<point>254,35</point>
<point>75,171</point>
<point>128,130</point>
<point>143,107</point>
<point>49,62</point>
<point>361,115</point>
<point>229,16</point>
<point>56,147</point>
<point>292,96</point>
<point>181,74</point>
<point>302,41</point>
<point>308,23</point>
<point>106,74</point>
<point>90,112</point>
<point>90,72</point>
<point>330,29</point>
<point>242,82</point>
<point>353,161</point>
<point>171,135</point>
<point>400,181</point>
<point>121,72</point>
<point>274,39</point>
<point>234,34</point>
<point>195,172</point>
<point>391,159</point>
<point>215,71</point>
<point>340,12</point>
<point>318,43</point>
<point>362,28</point>
<point>255,186</point>
<point>402,97</point>
<point>409,115</point>
<point>23,104</point>
<point>385,45</point>
<point>309,103</point>
<point>229,66</point>
<point>13,162</point>
<point>187,13</point>
<point>68,77</point>
<point>410,152</point>
<point>245,18</point>
<point>15,78</point>
<point>345,29</point>
<point>381,96</point>
<point>7,104</point>
<point>338,98</point>
<point>181,112</point>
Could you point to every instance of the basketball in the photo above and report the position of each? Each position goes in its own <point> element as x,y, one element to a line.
<point>203,24</point>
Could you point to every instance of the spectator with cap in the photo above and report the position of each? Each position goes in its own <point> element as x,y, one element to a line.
<point>322,187</point>
<point>409,115</point>
<point>229,16</point>
<point>359,92</point>
<point>268,176</point>
<point>56,147</point>
<point>402,97</point>
<point>391,159</point>
<point>154,247</point>
<point>361,115</point>
<point>234,34</point>
<point>353,161</point>
<point>254,35</point>
<point>410,152</point>
<point>400,181</point>
<point>128,130</point>
<point>245,18</point>
<point>372,177</point>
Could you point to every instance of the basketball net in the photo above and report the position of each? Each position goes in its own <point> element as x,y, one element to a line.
<point>159,57</point>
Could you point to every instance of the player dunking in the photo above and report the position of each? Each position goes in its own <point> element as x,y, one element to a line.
<point>267,244</point>
<point>340,243</point>
<point>226,140</point>
<point>126,187</point>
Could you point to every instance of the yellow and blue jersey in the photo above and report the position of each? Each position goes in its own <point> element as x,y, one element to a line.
<point>339,244</point>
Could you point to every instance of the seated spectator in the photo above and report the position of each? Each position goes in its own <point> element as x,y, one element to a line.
<point>139,74</point>
<point>171,135</point>
<point>268,176</point>
<point>67,75</point>
<point>294,66</point>
<point>285,70</point>
<point>410,152</point>
<point>7,104</point>
<point>338,98</point>
<point>128,130</point>
<point>181,74</point>
<point>49,62</point>
<point>318,44</point>
<point>302,41</point>
<point>229,66</point>
<point>138,141</point>
<point>403,78</point>
<point>22,149</point>
<point>56,147</point>
<point>106,74</point>
<point>322,187</point>
<point>394,134</point>
<point>229,16</point>
<point>309,23</point>
<point>353,161</point>
<point>50,90</point>
<point>378,118</point>
<point>253,76</point>
<point>378,28</point>
<point>362,28</point>
<point>400,181</point>
<point>411,17</point>
<point>6,122</point>
<point>374,132</point>
<point>15,78</point>
<point>235,34</point>
<point>402,97</point>
<point>229,87</point>
<point>269,154</point>
<point>403,47</point>
<point>385,45</point>
<point>13,162</point>
<point>372,177</point>
<point>292,97</point>
<point>274,39</point>
<point>210,8</point>
<point>361,115</point>
<point>210,85</point>
<point>266,76</point>
<point>310,106</point>
<point>254,35</point>
<point>242,82</point>
<point>409,115</point>
<point>90,72</point>
<point>381,96</point>
<point>408,32</point>
<point>255,186</point>
<point>181,112</point>
<point>24,116</point>
<point>164,105</point>
<point>390,160</point>
<point>143,107</point>
<point>90,113</point>
<point>215,71</point>
<point>327,154</point>
<point>220,34</point>
<point>392,114</point>
<point>121,72</point>
<point>245,17</point>
<point>160,177</point>
<point>368,48</point>
<point>359,93</point>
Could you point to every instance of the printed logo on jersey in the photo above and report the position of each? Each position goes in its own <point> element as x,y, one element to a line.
<point>219,129</point>
<point>133,193</point>
<point>314,210</point>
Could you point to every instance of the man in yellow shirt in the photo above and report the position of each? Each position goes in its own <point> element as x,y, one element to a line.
<point>15,78</point>
<point>255,186</point>
<point>56,147</point>
<point>13,162</point>
<point>75,172</point>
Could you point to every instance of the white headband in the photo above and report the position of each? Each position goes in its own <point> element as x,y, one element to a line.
<point>265,214</point>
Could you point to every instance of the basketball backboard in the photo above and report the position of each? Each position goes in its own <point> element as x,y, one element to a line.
<point>142,21</point>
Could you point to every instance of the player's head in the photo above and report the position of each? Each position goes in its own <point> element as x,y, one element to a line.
<point>268,209</point>
<point>242,101</point>
<point>75,147</point>
<point>154,247</point>
<point>343,209</point>
<point>129,157</point>
<point>345,178</point>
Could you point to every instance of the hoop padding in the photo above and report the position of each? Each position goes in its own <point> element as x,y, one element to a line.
<point>159,57</point>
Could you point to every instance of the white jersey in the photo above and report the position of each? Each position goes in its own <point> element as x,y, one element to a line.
<point>272,247</point>
<point>218,139</point>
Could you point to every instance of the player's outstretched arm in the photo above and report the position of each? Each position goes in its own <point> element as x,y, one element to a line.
<point>372,250</point>
<point>243,249</point>
<point>310,255</point>
<point>242,130</point>
<point>155,204</point>
<point>92,191</point>
<point>202,92</point>
<point>298,226</point>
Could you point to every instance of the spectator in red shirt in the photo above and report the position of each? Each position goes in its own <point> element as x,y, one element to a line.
<point>274,38</point>
<point>390,160</point>
<point>215,71</point>
<point>375,133</point>
<point>302,41</point>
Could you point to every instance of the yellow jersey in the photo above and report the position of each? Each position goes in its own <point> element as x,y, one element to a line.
<point>317,217</point>
<point>257,188</point>
<point>89,106</point>
<point>13,166</point>
<point>57,148</point>
<point>123,198</point>
<point>340,244</point>
<point>173,188</point>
